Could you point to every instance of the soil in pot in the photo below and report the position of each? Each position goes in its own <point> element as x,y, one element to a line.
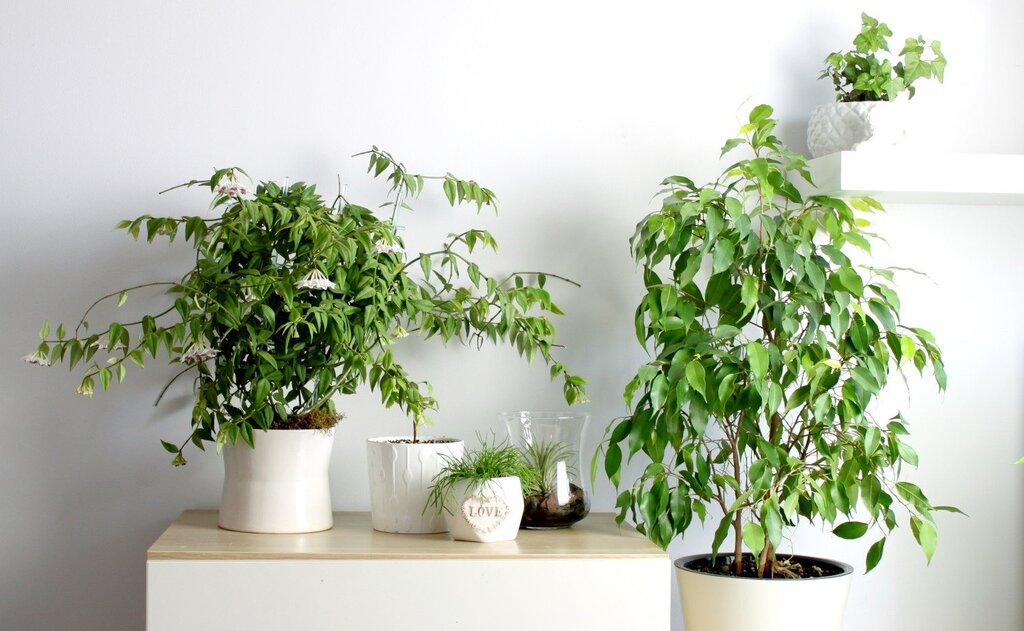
<point>317,419</point>
<point>787,567</point>
<point>544,511</point>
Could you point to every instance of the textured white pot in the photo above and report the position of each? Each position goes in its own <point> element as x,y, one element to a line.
<point>856,126</point>
<point>281,485</point>
<point>726,603</point>
<point>400,477</point>
<point>485,511</point>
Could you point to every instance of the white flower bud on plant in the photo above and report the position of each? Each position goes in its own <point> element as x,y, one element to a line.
<point>382,247</point>
<point>196,354</point>
<point>37,359</point>
<point>314,280</point>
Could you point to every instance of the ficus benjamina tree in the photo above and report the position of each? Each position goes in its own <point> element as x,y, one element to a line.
<point>769,346</point>
<point>292,300</point>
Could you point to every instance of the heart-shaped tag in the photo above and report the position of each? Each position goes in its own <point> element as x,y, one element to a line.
<point>484,511</point>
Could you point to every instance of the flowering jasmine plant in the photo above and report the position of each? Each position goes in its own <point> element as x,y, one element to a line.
<point>292,301</point>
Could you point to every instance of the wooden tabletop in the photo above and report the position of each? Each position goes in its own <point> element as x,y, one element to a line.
<point>195,536</point>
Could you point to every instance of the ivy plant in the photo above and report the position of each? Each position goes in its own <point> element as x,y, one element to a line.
<point>769,346</point>
<point>292,300</point>
<point>862,74</point>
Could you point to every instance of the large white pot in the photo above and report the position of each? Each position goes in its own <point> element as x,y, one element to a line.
<point>485,511</point>
<point>400,477</point>
<point>726,603</point>
<point>281,485</point>
<point>856,126</point>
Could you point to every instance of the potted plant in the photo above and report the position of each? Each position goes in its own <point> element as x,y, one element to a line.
<point>480,493</point>
<point>467,305</point>
<point>291,301</point>
<point>550,445</point>
<point>770,345</point>
<point>867,84</point>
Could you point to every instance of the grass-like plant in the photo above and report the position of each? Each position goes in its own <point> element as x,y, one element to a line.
<point>492,460</point>
<point>864,74</point>
<point>543,457</point>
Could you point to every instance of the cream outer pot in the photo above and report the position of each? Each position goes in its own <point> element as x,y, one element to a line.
<point>400,477</point>
<point>856,126</point>
<point>281,485</point>
<point>725,603</point>
<point>486,511</point>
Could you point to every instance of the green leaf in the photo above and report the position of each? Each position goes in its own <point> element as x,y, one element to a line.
<point>725,253</point>
<point>907,454</point>
<point>753,537</point>
<point>883,314</point>
<point>695,376</point>
<point>449,191</point>
<point>874,554</point>
<point>169,447</point>
<point>757,356</point>
<point>613,463</point>
<point>851,281</point>
<point>659,391</point>
<point>721,532</point>
<point>872,439</point>
<point>748,293</point>
<point>760,113</point>
<point>926,535</point>
<point>104,378</point>
<point>850,530</point>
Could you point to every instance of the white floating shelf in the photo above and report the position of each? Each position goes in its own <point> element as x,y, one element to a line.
<point>916,177</point>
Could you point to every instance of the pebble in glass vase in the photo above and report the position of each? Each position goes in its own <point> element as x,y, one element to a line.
<point>551,442</point>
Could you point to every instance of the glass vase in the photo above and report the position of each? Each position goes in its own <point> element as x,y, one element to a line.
<point>551,442</point>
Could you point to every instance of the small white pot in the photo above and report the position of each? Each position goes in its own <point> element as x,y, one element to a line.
<point>485,511</point>
<point>281,485</point>
<point>400,477</point>
<point>856,126</point>
<point>727,603</point>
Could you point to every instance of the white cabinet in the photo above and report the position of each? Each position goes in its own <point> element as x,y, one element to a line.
<point>593,576</point>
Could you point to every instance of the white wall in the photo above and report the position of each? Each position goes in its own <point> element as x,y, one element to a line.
<point>572,112</point>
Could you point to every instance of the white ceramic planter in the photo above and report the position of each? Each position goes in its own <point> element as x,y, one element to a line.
<point>281,485</point>
<point>485,511</point>
<point>856,126</point>
<point>400,477</point>
<point>726,603</point>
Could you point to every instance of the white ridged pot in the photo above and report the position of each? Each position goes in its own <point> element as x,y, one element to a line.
<point>726,603</point>
<point>281,485</point>
<point>856,126</point>
<point>485,511</point>
<point>400,477</point>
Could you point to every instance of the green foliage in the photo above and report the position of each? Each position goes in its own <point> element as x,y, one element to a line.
<point>543,457</point>
<point>292,300</point>
<point>861,75</point>
<point>769,347</point>
<point>490,461</point>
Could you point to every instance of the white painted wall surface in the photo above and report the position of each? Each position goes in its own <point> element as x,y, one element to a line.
<point>572,112</point>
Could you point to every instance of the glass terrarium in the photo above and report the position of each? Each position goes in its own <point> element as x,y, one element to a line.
<point>550,443</point>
